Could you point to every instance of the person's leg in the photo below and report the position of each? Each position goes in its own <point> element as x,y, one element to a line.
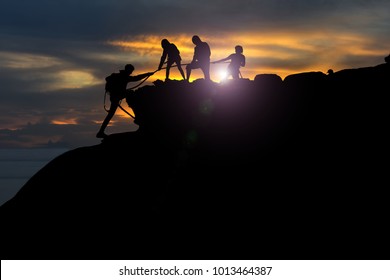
<point>189,68</point>
<point>192,65</point>
<point>169,65</point>
<point>206,71</point>
<point>178,63</point>
<point>234,73</point>
<point>107,119</point>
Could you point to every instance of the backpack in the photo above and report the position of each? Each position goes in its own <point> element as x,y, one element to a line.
<point>114,83</point>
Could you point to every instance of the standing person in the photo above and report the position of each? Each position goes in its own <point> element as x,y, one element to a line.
<point>116,86</point>
<point>237,60</point>
<point>201,58</point>
<point>172,52</point>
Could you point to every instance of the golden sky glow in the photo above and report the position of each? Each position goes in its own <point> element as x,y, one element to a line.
<point>121,114</point>
<point>281,53</point>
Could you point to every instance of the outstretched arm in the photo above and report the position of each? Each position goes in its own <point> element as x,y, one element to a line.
<point>140,76</point>
<point>223,59</point>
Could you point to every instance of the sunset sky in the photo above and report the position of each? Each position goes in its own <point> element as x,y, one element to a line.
<point>54,55</point>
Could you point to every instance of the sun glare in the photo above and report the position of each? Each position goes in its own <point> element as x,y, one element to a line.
<point>223,74</point>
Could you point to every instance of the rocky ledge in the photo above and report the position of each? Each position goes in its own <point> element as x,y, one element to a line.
<point>264,168</point>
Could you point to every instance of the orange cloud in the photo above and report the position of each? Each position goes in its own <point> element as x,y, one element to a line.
<point>64,121</point>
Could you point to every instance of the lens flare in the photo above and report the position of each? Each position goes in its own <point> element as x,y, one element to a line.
<point>223,74</point>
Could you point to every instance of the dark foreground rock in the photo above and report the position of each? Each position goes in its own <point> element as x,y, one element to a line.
<point>264,169</point>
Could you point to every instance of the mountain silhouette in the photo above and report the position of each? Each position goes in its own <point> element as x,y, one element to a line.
<point>268,168</point>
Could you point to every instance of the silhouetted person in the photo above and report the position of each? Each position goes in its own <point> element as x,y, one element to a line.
<point>237,60</point>
<point>201,58</point>
<point>118,91</point>
<point>171,52</point>
<point>387,59</point>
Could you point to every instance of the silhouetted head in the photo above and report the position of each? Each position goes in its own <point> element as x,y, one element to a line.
<point>196,40</point>
<point>239,49</point>
<point>129,68</point>
<point>330,71</point>
<point>387,59</point>
<point>164,43</point>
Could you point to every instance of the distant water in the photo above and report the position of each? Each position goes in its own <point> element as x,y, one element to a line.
<point>17,166</point>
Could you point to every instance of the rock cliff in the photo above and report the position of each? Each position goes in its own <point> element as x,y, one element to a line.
<point>264,168</point>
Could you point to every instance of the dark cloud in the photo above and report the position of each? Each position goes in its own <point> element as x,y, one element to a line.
<point>94,20</point>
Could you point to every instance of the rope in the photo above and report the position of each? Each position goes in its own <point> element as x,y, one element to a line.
<point>119,105</point>
<point>185,64</point>
<point>123,109</point>
<point>104,102</point>
<point>143,81</point>
<point>211,62</point>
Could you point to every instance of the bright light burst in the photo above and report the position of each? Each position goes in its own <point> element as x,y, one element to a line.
<point>223,74</point>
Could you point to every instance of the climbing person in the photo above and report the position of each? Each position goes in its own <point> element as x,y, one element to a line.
<point>172,54</point>
<point>237,60</point>
<point>116,87</point>
<point>201,58</point>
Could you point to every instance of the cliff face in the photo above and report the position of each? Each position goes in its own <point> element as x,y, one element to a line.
<point>240,162</point>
